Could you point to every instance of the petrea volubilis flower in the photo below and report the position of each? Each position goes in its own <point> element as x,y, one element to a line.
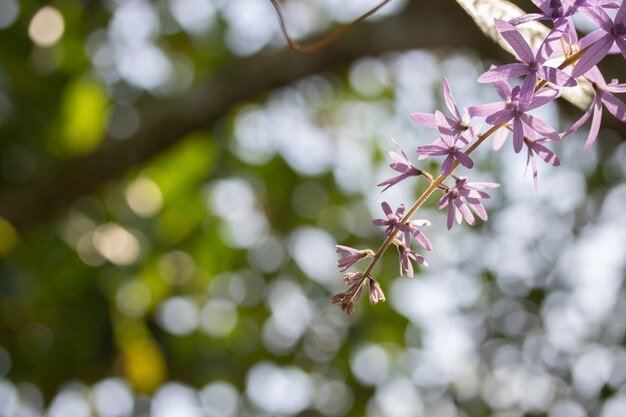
<point>610,33</point>
<point>406,256</point>
<point>376,293</point>
<point>461,197</point>
<point>532,65</point>
<point>553,10</point>
<point>536,147</point>
<point>450,145</point>
<point>393,220</point>
<point>603,96</point>
<point>457,124</point>
<point>351,278</point>
<point>352,294</point>
<point>401,164</point>
<point>351,256</point>
<point>517,112</point>
<point>419,236</point>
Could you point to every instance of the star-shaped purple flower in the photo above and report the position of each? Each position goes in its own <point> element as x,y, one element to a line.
<point>536,147</point>
<point>553,10</point>
<point>610,33</point>
<point>393,220</point>
<point>406,256</point>
<point>419,236</point>
<point>603,95</point>
<point>401,164</point>
<point>531,65</point>
<point>457,123</point>
<point>461,197</point>
<point>450,145</point>
<point>516,111</point>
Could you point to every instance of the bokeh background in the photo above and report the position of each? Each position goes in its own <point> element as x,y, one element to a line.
<point>173,181</point>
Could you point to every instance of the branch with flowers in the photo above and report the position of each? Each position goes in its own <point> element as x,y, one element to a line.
<point>542,81</point>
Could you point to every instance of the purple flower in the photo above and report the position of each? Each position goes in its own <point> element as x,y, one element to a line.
<point>376,293</point>
<point>610,33</point>
<point>536,147</point>
<point>457,124</point>
<point>420,237</point>
<point>504,91</point>
<point>393,220</point>
<point>351,257</point>
<point>449,146</point>
<point>531,66</point>
<point>603,95</point>
<point>516,110</point>
<point>352,294</point>
<point>351,278</point>
<point>553,10</point>
<point>461,197</point>
<point>406,255</point>
<point>401,164</point>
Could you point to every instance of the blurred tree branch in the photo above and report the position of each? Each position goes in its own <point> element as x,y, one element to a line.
<point>164,122</point>
<point>331,37</point>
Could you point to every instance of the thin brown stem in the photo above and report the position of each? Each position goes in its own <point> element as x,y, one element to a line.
<point>328,38</point>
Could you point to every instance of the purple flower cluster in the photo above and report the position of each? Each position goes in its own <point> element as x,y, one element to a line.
<point>459,135</point>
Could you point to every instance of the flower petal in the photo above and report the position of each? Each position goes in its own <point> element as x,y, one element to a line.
<point>446,167</point>
<point>595,124</point>
<point>451,214</point>
<point>464,160</point>
<point>527,91</point>
<point>556,76</point>
<point>504,89</point>
<point>616,88</point>
<point>518,135</point>
<point>503,72</point>
<point>422,240</point>
<point>516,40</point>
<point>540,127</point>
<point>478,208</point>
<point>487,109</point>
<point>392,181</point>
<point>526,18</point>
<point>449,100</point>
<point>593,55</point>
<point>543,97</point>
<point>500,117</point>
<point>546,154</point>
<point>431,150</point>
<point>499,137</point>
<point>598,16</point>
<point>581,121</point>
<point>621,44</point>
<point>615,106</point>
<point>465,211</point>
<point>482,185</point>
<point>591,38</point>
<point>424,119</point>
<point>620,16</point>
<point>444,128</point>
